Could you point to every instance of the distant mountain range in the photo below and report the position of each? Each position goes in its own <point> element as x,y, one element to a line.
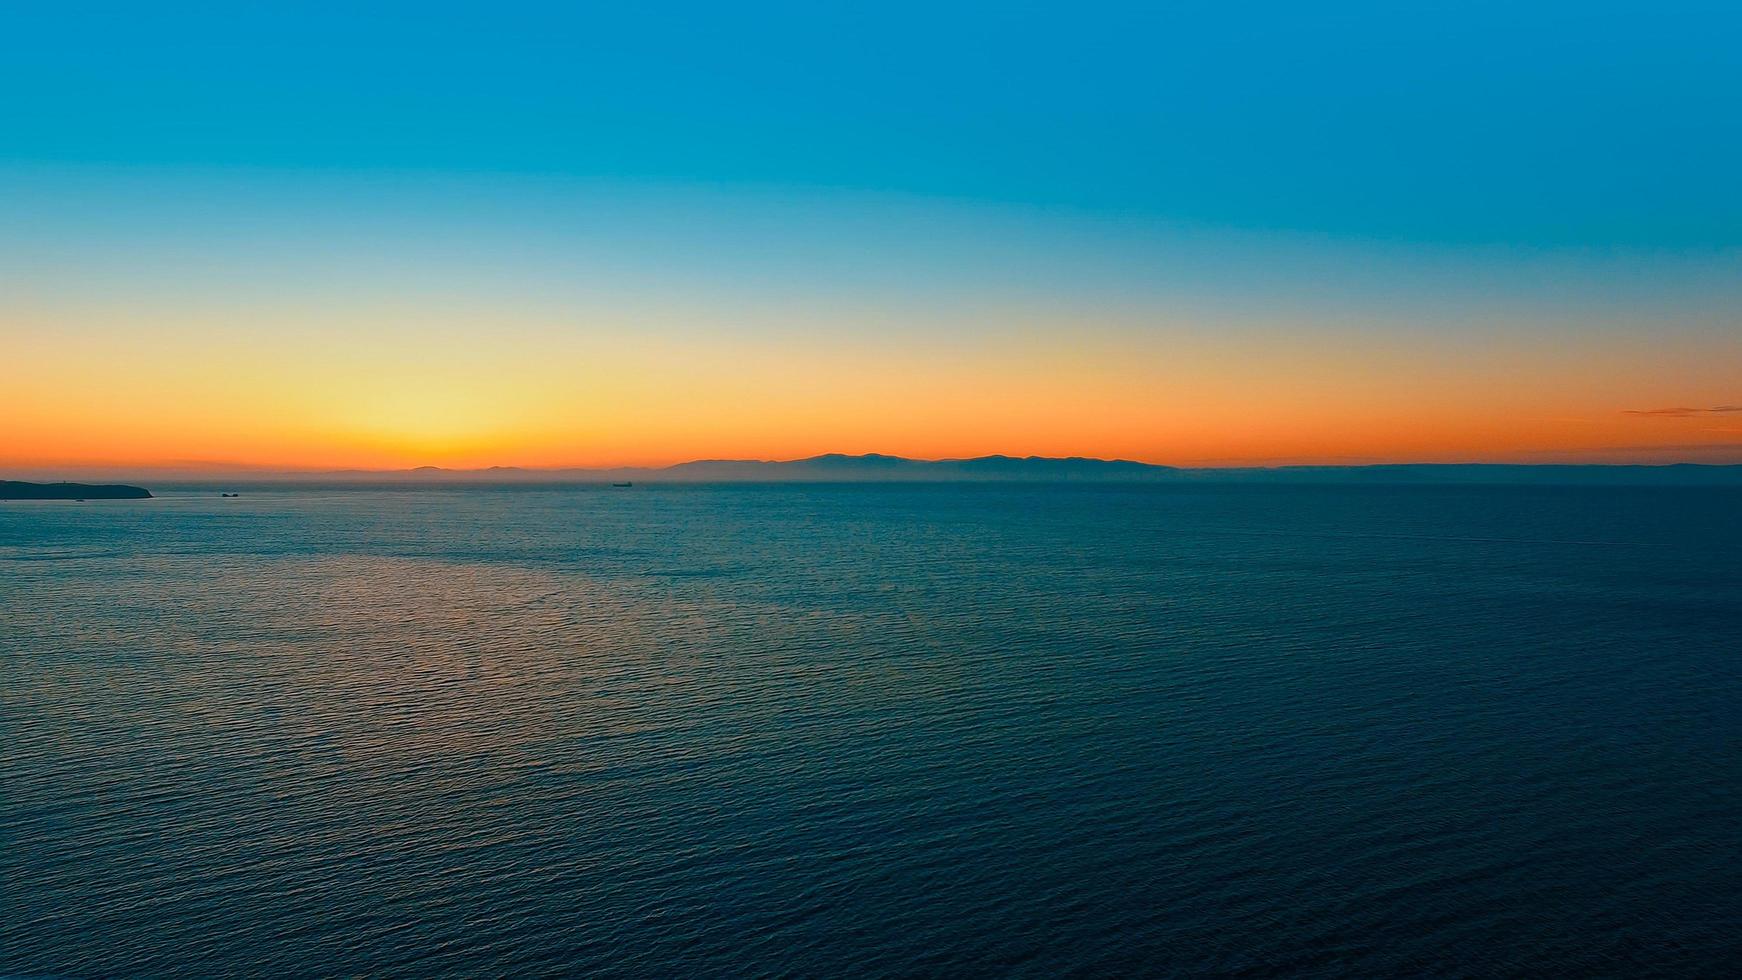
<point>874,467</point>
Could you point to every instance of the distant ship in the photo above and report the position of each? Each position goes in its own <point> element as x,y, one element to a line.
<point>624,484</point>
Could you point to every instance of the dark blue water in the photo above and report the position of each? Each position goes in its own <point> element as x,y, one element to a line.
<point>960,730</point>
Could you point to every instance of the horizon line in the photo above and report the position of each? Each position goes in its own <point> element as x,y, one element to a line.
<point>234,470</point>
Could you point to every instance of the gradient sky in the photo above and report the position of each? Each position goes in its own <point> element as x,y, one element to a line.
<point>300,235</point>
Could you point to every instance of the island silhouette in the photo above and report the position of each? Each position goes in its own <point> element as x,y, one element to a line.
<point>20,490</point>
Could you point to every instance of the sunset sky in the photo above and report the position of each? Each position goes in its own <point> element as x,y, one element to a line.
<point>553,235</point>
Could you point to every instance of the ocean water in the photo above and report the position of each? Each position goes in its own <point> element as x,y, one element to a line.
<point>879,731</point>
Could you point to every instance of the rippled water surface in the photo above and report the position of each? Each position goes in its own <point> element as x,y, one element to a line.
<point>878,730</point>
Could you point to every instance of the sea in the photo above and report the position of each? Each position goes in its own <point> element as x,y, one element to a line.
<point>951,730</point>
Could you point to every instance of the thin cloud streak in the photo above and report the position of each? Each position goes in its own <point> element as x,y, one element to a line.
<point>1682,413</point>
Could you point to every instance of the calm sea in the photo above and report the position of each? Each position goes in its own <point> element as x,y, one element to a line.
<point>825,731</point>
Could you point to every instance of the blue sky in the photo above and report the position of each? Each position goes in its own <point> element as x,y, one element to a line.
<point>1596,124</point>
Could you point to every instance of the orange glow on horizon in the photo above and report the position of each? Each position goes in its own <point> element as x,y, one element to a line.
<point>189,394</point>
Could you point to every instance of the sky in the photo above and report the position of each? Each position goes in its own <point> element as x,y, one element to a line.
<point>383,235</point>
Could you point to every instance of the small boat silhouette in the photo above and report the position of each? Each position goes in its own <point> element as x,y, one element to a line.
<point>229,495</point>
<point>625,484</point>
